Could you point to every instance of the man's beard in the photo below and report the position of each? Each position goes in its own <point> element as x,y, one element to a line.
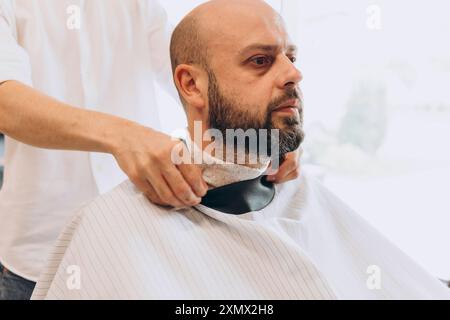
<point>224,115</point>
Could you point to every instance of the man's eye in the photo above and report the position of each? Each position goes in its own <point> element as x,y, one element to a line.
<point>293,59</point>
<point>261,61</point>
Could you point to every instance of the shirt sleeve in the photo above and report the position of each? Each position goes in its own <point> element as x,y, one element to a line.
<point>159,31</point>
<point>14,60</point>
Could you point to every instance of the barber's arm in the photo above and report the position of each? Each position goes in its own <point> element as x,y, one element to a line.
<point>143,154</point>
<point>41,121</point>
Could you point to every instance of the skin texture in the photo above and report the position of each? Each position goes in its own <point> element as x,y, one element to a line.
<point>249,62</point>
<point>144,154</point>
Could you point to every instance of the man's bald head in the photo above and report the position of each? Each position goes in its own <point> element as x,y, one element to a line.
<point>187,45</point>
<point>193,35</point>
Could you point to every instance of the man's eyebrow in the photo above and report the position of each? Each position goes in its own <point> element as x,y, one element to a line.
<point>267,47</point>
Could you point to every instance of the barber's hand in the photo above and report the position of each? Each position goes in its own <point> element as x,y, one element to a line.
<point>289,169</point>
<point>145,156</point>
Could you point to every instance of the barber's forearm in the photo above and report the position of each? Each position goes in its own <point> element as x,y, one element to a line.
<point>36,119</point>
<point>144,154</point>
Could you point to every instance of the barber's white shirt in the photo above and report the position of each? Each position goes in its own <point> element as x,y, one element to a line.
<point>305,245</point>
<point>109,65</point>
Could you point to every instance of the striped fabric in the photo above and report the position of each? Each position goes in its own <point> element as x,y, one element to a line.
<point>305,245</point>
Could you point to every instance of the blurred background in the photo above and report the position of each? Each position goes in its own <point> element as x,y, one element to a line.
<point>377,112</point>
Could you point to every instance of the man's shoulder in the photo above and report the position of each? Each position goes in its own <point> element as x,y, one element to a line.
<point>124,192</point>
<point>125,199</point>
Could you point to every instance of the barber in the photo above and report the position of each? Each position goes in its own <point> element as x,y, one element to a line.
<point>78,109</point>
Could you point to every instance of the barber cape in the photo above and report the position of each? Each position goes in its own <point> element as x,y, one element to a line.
<point>305,244</point>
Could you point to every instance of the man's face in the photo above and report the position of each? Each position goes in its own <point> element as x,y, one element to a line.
<point>253,83</point>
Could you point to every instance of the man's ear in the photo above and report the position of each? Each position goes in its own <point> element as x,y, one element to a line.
<point>191,84</point>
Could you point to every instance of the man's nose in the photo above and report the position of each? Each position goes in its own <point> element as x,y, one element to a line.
<point>289,75</point>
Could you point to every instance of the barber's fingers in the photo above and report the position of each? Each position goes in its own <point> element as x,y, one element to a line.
<point>193,176</point>
<point>163,190</point>
<point>152,195</point>
<point>286,170</point>
<point>178,185</point>
<point>191,173</point>
<point>290,176</point>
<point>289,169</point>
<point>271,172</point>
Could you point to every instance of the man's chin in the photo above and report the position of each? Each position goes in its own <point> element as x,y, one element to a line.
<point>283,119</point>
<point>290,127</point>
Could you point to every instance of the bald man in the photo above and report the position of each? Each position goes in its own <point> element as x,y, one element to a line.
<point>233,65</point>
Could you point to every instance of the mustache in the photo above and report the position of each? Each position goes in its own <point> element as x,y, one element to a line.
<point>293,93</point>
